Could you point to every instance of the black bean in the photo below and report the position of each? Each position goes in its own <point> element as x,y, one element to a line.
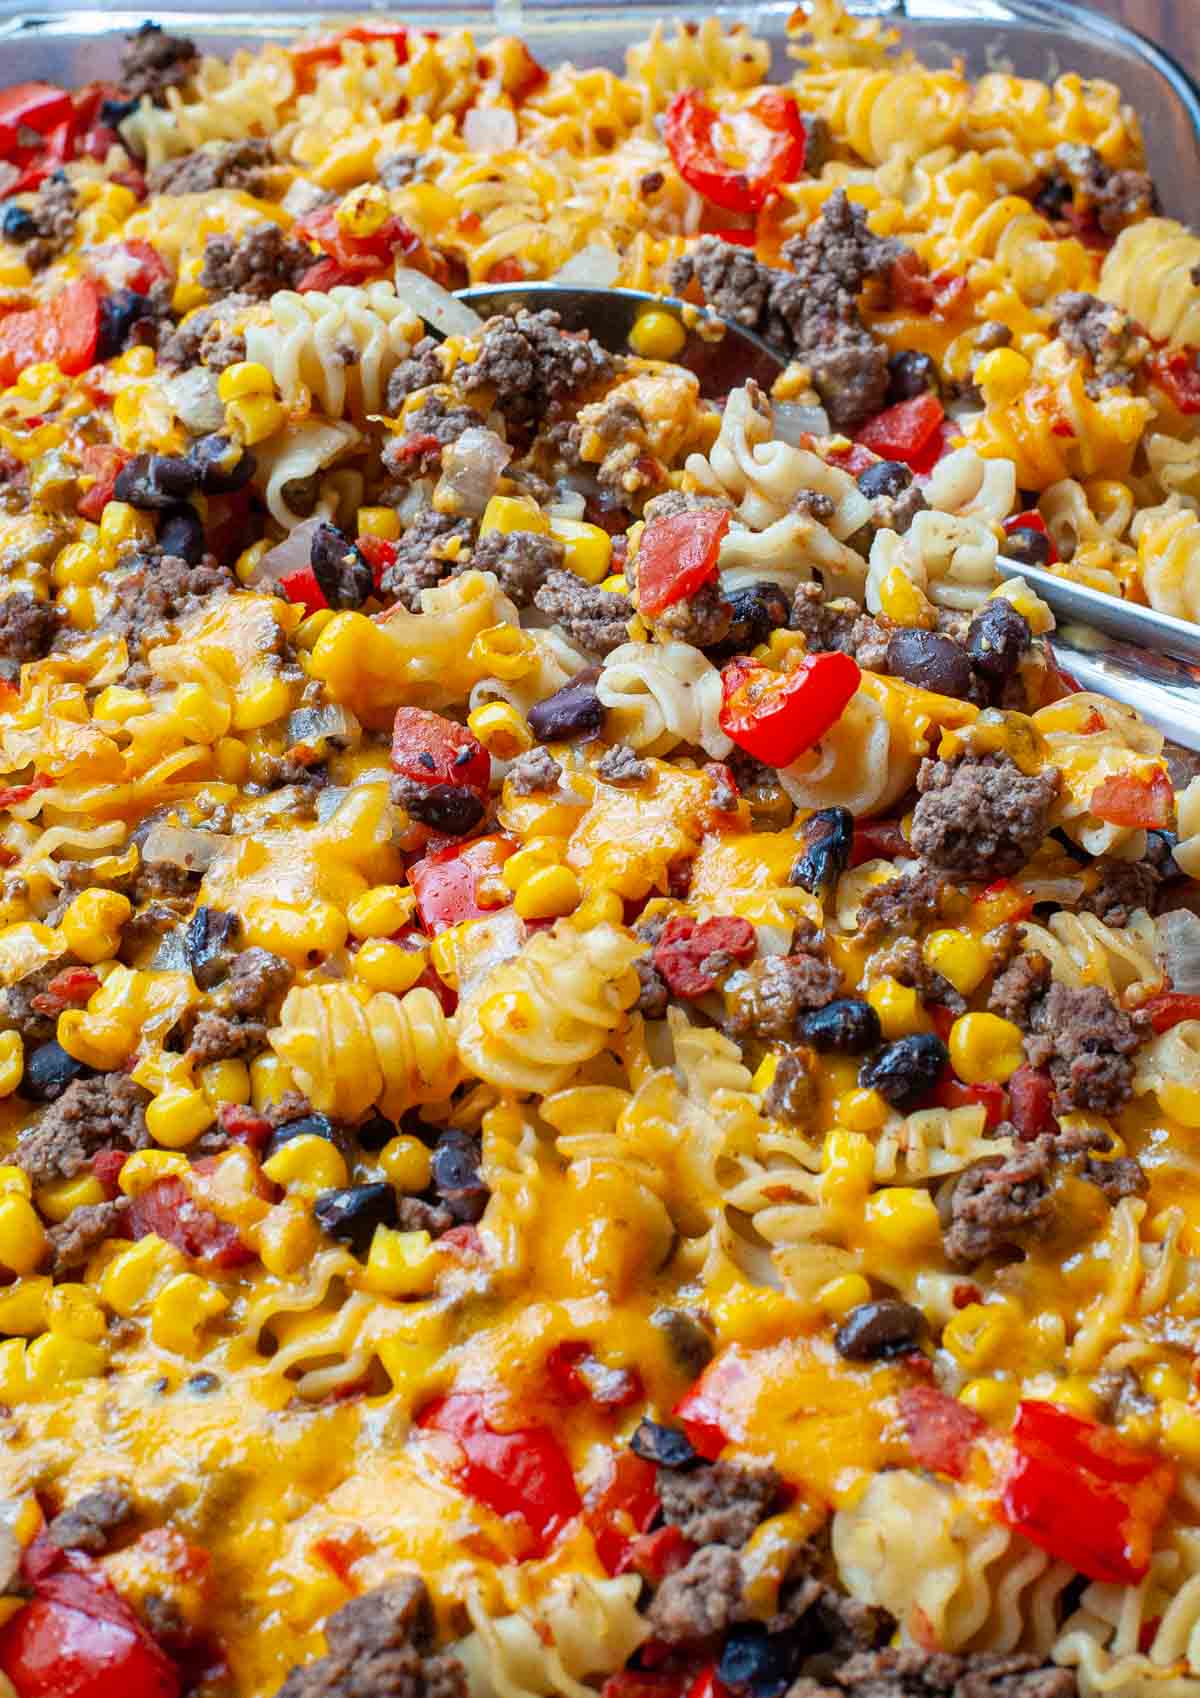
<point>48,1072</point>
<point>114,112</point>
<point>456,1177</point>
<point>880,1329</point>
<point>849,1026</point>
<point>905,1071</point>
<point>308,1126</point>
<point>1160,853</point>
<point>689,1340</point>
<point>997,637</point>
<point>756,610</point>
<point>449,808</point>
<point>1027,546</point>
<point>18,225</point>
<point>181,533</point>
<point>203,1383</point>
<point>1054,196</point>
<point>343,575</point>
<point>929,660</point>
<point>221,466</point>
<point>210,933</point>
<point>374,1133</point>
<point>909,375</point>
<point>153,482</point>
<point>828,839</point>
<point>574,711</point>
<point>351,1215</point>
<point>759,1662</point>
<point>119,312</point>
<point>666,1446</point>
<point>886,477</point>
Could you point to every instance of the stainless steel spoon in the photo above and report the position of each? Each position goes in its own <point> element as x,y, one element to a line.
<point>1147,660</point>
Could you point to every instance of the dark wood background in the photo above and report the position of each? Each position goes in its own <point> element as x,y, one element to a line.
<point>1173,23</point>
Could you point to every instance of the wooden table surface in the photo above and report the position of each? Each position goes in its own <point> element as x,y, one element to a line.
<point>1175,24</point>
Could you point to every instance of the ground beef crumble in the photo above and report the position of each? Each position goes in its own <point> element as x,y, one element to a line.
<point>154,591</point>
<point>1088,1043</point>
<point>380,1645</point>
<point>27,629</point>
<point>258,264</point>
<point>89,1524</point>
<point>1120,887</point>
<point>425,554</point>
<point>901,903</point>
<point>521,560</point>
<point>1102,335</point>
<point>534,771</point>
<point>154,61</point>
<point>765,999</point>
<point>244,165</point>
<point>595,620</point>
<point>72,1241</point>
<point>533,365</point>
<point>718,1505</point>
<point>102,1113</point>
<point>981,818</point>
<point>913,1673</point>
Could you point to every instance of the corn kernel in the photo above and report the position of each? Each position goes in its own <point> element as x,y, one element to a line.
<point>537,855</point>
<point>14,1376</point>
<point>900,599</point>
<point>255,418</point>
<point>44,374</point>
<point>848,1167</point>
<point>407,1163</point>
<point>764,1074</point>
<point>618,584</point>
<point>995,1400</point>
<point>135,362</point>
<point>904,1218</point>
<point>247,377</point>
<point>657,335</point>
<point>599,908</point>
<point>231,760</point>
<point>388,966</point>
<point>503,651</point>
<point>979,1334</point>
<point>133,1275</point>
<point>401,1264</point>
<point>839,1296</point>
<point>548,894</point>
<point>121,524</point>
<point>379,522</point>
<point>1181,1430</point>
<point>508,513</point>
<point>299,934</point>
<point>56,1359</point>
<point>181,1308</point>
<point>501,730</point>
<point>861,1111</point>
<point>23,1306</point>
<point>381,911</point>
<point>92,923</point>
<point>225,1082</point>
<point>985,1049</point>
<point>177,1117</point>
<point>307,1163</point>
<point>364,211</point>
<point>1002,375</point>
<point>899,1008</point>
<point>22,1235</point>
<point>309,629</point>
<point>146,1167</point>
<point>587,549</point>
<point>73,1309</point>
<point>79,605</point>
<point>958,957</point>
<point>63,1196</point>
<point>1076,1394</point>
<point>1163,1381</point>
<point>15,1179</point>
<point>247,561</point>
<point>78,563</point>
<point>270,1081</point>
<point>12,1062</point>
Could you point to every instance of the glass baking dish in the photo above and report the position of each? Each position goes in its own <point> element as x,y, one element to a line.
<point>1040,38</point>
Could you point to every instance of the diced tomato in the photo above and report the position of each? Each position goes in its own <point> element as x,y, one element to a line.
<point>107,1165</point>
<point>12,794</point>
<point>708,1684</point>
<point>302,588</point>
<point>1031,1096</point>
<point>684,945</point>
<point>523,1473</point>
<point>905,430</point>
<point>1176,372</point>
<point>168,1208</point>
<point>430,749</point>
<point>771,132</point>
<point>447,882</point>
<point>327,49</point>
<point>878,840</point>
<point>64,330</point>
<point>506,271</point>
<point>912,286</point>
<point>101,461</point>
<point>642,1683</point>
<point>704,1409</point>
<point>148,265</point>
<point>379,554</point>
<point>1168,1008</point>
<point>678,555</point>
<point>776,716</point>
<point>357,254</point>
<point>339,1554</point>
<point>325,275</point>
<point>952,1093</point>
<point>622,1509</point>
<point>69,989</point>
<point>1084,1494</point>
<point>941,1430</point>
<point>655,1555</point>
<point>854,459</point>
<point>244,1125</point>
<point>578,1376</point>
<point>31,106</point>
<point>1001,903</point>
<point>463,1241</point>
<point>1136,801</point>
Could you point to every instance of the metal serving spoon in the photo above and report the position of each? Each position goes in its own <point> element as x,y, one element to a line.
<point>1147,660</point>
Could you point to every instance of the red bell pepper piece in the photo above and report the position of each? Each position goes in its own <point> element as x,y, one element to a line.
<point>684,946</point>
<point>523,1473</point>
<point>506,271</point>
<point>447,882</point>
<point>149,267</point>
<point>1168,1008</point>
<point>704,1410</point>
<point>1084,1494</point>
<point>677,555</point>
<point>379,554</point>
<point>1001,903</point>
<point>623,1508</point>
<point>168,1208</point>
<point>1178,376</point>
<point>430,749</point>
<point>770,132</point>
<point>579,1376</point>
<point>356,254</point>
<point>107,1165</point>
<point>1031,1096</point>
<point>102,461</point>
<point>65,330</point>
<point>904,431</point>
<point>30,106</point>
<point>327,49</point>
<point>777,715</point>
<point>952,1093</point>
<point>1139,803</point>
<point>301,587</point>
<point>739,238</point>
<point>941,1430</point>
<point>854,459</point>
<point>643,1683</point>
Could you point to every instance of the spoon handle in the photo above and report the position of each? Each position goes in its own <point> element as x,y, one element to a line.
<point>1165,691</point>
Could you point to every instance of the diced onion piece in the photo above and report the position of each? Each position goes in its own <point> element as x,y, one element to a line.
<point>791,421</point>
<point>329,723</point>
<point>1179,949</point>
<point>193,395</point>
<point>490,129</point>
<point>437,306</point>
<point>595,267</point>
<point>471,469</point>
<point>293,554</point>
<point>183,846</point>
<point>567,504</point>
<point>302,197</point>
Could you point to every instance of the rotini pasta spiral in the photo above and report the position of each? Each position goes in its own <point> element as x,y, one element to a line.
<point>351,1053</point>
<point>339,347</point>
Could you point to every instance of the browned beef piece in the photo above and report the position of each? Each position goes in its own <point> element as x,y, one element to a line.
<point>533,365</point>
<point>981,819</point>
<point>413,1214</point>
<point>420,370</point>
<point>1117,198</point>
<point>654,994</point>
<point>999,1207</point>
<point>733,283</point>
<point>765,999</point>
<point>244,165</point>
<point>257,982</point>
<point>1102,335</point>
<point>702,619</point>
<point>103,1113</point>
<point>17,1011</point>
<point>792,1093</point>
<point>840,626</point>
<point>1121,887</point>
<point>699,1600</point>
<point>1088,1043</point>
<point>153,62</point>
<point>912,1673</point>
<point>217,1038</point>
<point>27,629</point>
<point>1124,1176</point>
<point>53,211</point>
<point>381,1646</point>
<point>206,337</point>
<point>904,962</point>
<point>622,765</point>
<point>258,264</point>
<point>1020,987</point>
<point>73,1240</point>
<point>89,1524</point>
<point>902,903</point>
<point>593,619</point>
<point>152,593</point>
<point>689,1338</point>
<point>534,771</point>
<point>521,560</point>
<point>421,561</point>
<point>718,1505</point>
<point>433,426</point>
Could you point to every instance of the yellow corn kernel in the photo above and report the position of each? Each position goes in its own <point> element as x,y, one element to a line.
<point>1075,1393</point>
<point>407,1163</point>
<point>985,1049</point>
<point>79,605</point>
<point>255,418</point>
<point>587,549</point>
<point>1028,604</point>
<point>135,362</point>
<point>181,1308</point>
<point>270,1081</point>
<point>12,1062</point>
<point>1163,1381</point>
<point>247,377</point>
<point>262,704</point>
<point>381,911</point>
<point>599,908</point>
<point>299,934</point>
<point>861,1111</point>
<point>102,1041</point>
<point>501,730</point>
<point>225,1082</point>
<point>42,375</point>
<point>401,1264</point>
<point>14,1376</point>
<point>121,524</point>
<point>78,563</point>
<point>978,1335</point>
<point>92,924</point>
<point>1003,375</point>
<point>995,1400</point>
<point>900,599</point>
<point>133,1275</point>
<point>1180,1430</point>
<point>433,206</point>
<point>839,1296</point>
<point>198,714</point>
<point>146,1167</point>
<point>958,957</point>
<point>548,894</point>
<point>898,1007</point>
<point>904,1218</point>
<point>63,1196</point>
<point>22,1235</point>
<point>764,1074</point>
<point>73,1309</point>
<point>247,561</point>
<point>538,854</point>
<point>508,513</point>
<point>288,1237</point>
<point>379,522</point>
<point>388,966</point>
<point>307,1163</point>
<point>308,630</point>
<point>502,651</point>
<point>618,584</point>
<point>177,1117</point>
<point>23,1306</point>
<point>119,704</point>
<point>848,1166</point>
<point>231,760</point>
<point>657,335</point>
<point>15,1179</point>
<point>56,1359</point>
<point>364,210</point>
